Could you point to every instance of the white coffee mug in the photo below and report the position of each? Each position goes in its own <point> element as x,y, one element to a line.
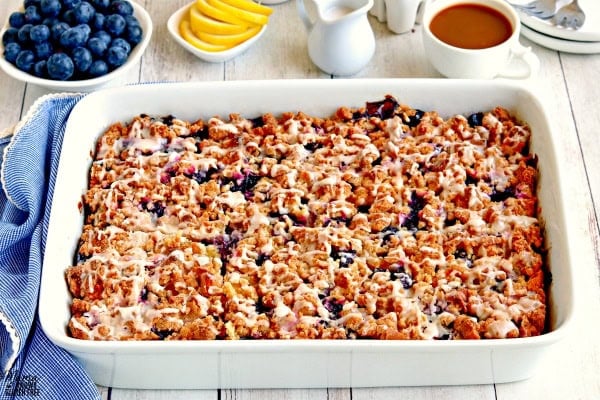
<point>508,59</point>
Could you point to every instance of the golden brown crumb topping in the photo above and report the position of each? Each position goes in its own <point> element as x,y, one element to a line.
<point>381,222</point>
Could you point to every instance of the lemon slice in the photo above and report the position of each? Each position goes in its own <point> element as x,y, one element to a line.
<point>228,40</point>
<point>250,5</point>
<point>189,36</point>
<point>218,14</point>
<point>204,23</point>
<point>248,16</point>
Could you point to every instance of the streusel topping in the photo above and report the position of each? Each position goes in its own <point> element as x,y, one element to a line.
<point>380,222</point>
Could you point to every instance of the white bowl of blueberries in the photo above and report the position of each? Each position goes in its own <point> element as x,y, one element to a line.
<point>74,45</point>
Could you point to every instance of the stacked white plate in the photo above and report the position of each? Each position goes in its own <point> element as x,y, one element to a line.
<point>585,40</point>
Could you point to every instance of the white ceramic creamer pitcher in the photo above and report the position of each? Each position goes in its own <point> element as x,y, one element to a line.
<point>340,38</point>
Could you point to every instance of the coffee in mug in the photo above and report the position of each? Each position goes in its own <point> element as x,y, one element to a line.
<point>476,39</point>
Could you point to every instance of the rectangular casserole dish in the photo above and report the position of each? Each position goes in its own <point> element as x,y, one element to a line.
<point>298,363</point>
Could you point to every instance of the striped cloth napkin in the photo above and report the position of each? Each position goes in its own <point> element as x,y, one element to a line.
<point>32,367</point>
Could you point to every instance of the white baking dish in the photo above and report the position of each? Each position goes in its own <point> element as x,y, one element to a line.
<point>254,364</point>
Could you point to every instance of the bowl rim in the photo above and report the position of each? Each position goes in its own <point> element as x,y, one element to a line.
<point>214,57</point>
<point>134,56</point>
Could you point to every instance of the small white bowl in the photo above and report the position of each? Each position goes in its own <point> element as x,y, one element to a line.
<point>86,85</point>
<point>209,56</point>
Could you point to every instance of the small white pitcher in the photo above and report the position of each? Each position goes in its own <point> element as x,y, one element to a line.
<point>340,39</point>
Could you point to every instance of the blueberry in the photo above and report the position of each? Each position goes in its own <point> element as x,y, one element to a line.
<point>39,69</point>
<point>404,279</point>
<point>25,60</point>
<point>115,24</point>
<point>11,51</point>
<point>133,34</point>
<point>162,334</point>
<point>58,29</point>
<point>97,23</point>
<point>23,34</point>
<point>260,260</point>
<point>16,19</point>
<point>104,36</point>
<point>69,4</point>
<point>121,7</point>
<point>345,257</point>
<point>131,20</point>
<point>98,68</point>
<point>226,244</point>
<point>383,109</point>
<point>500,196</point>
<point>116,56</point>
<point>86,30</point>
<point>398,272</point>
<point>120,42</point>
<point>415,119</point>
<point>416,204</point>
<point>32,15</point>
<point>10,35</point>
<point>50,21</point>
<point>246,184</point>
<point>334,306</point>
<point>201,176</point>
<point>72,38</point>
<point>83,12</point>
<point>154,207</point>
<point>39,33</point>
<point>82,58</point>
<point>43,50</point>
<point>388,233</point>
<point>100,5</point>
<point>60,66</point>
<point>50,8</point>
<point>97,46</point>
<point>69,17</point>
<point>257,122</point>
<point>475,119</point>
<point>312,146</point>
<point>28,3</point>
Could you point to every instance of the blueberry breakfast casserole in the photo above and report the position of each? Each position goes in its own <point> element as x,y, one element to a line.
<point>378,222</point>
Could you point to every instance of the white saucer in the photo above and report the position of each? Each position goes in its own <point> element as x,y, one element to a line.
<point>567,46</point>
<point>589,32</point>
<point>271,2</point>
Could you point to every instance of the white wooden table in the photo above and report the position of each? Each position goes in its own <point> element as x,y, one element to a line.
<point>570,87</point>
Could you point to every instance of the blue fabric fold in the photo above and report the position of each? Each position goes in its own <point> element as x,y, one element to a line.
<point>31,366</point>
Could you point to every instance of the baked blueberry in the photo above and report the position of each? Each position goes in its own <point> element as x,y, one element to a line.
<point>475,119</point>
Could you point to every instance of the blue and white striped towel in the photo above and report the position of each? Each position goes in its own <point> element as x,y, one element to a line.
<point>32,367</point>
